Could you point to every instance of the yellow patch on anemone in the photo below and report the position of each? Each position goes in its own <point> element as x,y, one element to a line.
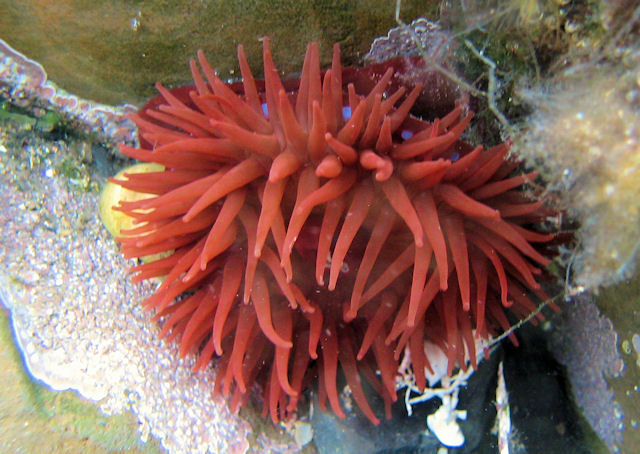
<point>112,194</point>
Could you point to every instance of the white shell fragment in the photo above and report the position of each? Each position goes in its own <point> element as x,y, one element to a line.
<point>443,423</point>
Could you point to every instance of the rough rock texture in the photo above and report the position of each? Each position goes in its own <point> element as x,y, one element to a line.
<point>586,344</point>
<point>76,314</point>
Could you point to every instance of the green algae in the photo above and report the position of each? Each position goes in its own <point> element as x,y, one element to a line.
<point>45,123</point>
<point>76,166</point>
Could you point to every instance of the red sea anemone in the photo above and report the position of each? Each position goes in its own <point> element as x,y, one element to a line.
<point>308,226</point>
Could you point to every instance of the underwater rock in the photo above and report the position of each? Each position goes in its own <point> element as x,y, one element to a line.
<point>34,419</point>
<point>75,313</point>
<point>114,51</point>
<point>25,83</point>
<point>584,341</point>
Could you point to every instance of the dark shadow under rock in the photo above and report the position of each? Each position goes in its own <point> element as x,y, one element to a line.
<point>544,418</point>
<point>404,434</point>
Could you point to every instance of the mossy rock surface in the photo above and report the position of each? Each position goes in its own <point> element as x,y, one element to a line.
<point>114,51</point>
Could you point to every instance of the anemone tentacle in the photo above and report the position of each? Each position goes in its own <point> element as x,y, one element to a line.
<point>322,230</point>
